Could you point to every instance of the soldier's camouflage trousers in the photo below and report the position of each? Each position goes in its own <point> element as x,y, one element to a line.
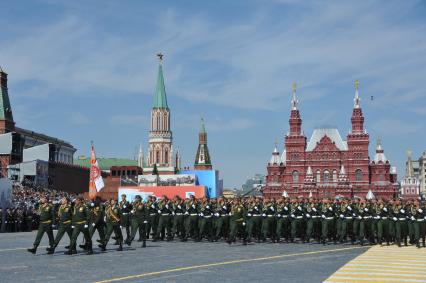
<point>62,229</point>
<point>44,228</point>
<point>76,231</point>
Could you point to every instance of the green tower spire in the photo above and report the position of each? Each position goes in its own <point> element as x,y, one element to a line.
<point>160,99</point>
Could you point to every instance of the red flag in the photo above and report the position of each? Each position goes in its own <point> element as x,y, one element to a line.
<point>96,183</point>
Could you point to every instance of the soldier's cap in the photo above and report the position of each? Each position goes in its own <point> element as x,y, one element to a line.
<point>138,197</point>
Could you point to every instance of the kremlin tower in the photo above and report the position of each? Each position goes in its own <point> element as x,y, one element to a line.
<point>202,158</point>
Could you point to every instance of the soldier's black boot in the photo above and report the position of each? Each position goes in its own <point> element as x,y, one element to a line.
<point>103,247</point>
<point>89,249</point>
<point>33,250</point>
<point>84,247</point>
<point>71,251</point>
<point>399,243</point>
<point>418,244</point>
<point>405,242</point>
<point>424,242</point>
<point>361,242</point>
<point>120,247</point>
<point>51,250</point>
<point>67,247</point>
<point>143,244</point>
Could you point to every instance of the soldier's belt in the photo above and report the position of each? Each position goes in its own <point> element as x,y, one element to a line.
<point>299,217</point>
<point>256,215</point>
<point>348,217</point>
<point>66,222</point>
<point>43,222</point>
<point>384,217</point>
<point>270,215</point>
<point>329,218</point>
<point>80,222</point>
<point>366,217</point>
<point>420,220</point>
<point>193,214</point>
<point>402,219</point>
<point>315,216</point>
<point>207,216</point>
<point>165,214</point>
<point>178,214</point>
<point>152,214</point>
<point>125,213</point>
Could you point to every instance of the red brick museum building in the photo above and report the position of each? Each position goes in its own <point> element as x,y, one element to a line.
<point>327,165</point>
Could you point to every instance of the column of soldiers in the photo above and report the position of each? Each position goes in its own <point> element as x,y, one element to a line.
<point>249,219</point>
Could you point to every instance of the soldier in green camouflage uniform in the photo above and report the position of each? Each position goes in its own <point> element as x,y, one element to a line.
<point>254,219</point>
<point>113,218</point>
<point>418,217</point>
<point>205,220</point>
<point>221,213</point>
<point>237,222</point>
<point>268,221</point>
<point>383,223</point>
<point>179,217</point>
<point>191,220</point>
<point>64,218</point>
<point>46,221</point>
<point>152,206</point>
<point>313,225</point>
<point>139,220</point>
<point>165,207</point>
<point>125,208</point>
<point>297,218</point>
<point>400,220</point>
<point>327,222</point>
<point>80,220</point>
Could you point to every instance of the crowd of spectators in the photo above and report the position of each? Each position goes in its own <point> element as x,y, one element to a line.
<point>22,214</point>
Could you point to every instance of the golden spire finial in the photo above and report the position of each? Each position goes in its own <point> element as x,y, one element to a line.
<point>160,56</point>
<point>294,87</point>
<point>357,84</point>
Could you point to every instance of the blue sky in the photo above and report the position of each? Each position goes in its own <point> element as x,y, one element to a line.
<point>86,70</point>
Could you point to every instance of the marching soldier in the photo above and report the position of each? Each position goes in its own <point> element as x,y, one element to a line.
<point>221,214</point>
<point>152,207</point>
<point>297,215</point>
<point>80,220</point>
<point>237,221</point>
<point>268,221</point>
<point>113,218</point>
<point>206,213</point>
<point>125,208</point>
<point>254,219</point>
<point>400,220</point>
<point>346,216</point>
<point>313,217</point>
<point>418,217</point>
<point>165,223</point>
<point>179,217</point>
<point>139,220</point>
<point>46,221</point>
<point>191,220</point>
<point>64,219</point>
<point>327,215</point>
<point>383,223</point>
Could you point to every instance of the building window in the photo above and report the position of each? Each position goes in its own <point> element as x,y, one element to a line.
<point>358,175</point>
<point>295,176</point>
<point>318,176</point>
<point>326,176</point>
<point>157,156</point>
<point>334,176</point>
<point>166,156</point>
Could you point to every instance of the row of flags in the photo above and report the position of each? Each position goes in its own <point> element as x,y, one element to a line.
<point>96,182</point>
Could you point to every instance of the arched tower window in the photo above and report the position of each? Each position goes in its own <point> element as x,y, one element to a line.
<point>157,157</point>
<point>166,156</point>
<point>358,175</point>
<point>295,175</point>
<point>334,176</point>
<point>318,176</point>
<point>326,176</point>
